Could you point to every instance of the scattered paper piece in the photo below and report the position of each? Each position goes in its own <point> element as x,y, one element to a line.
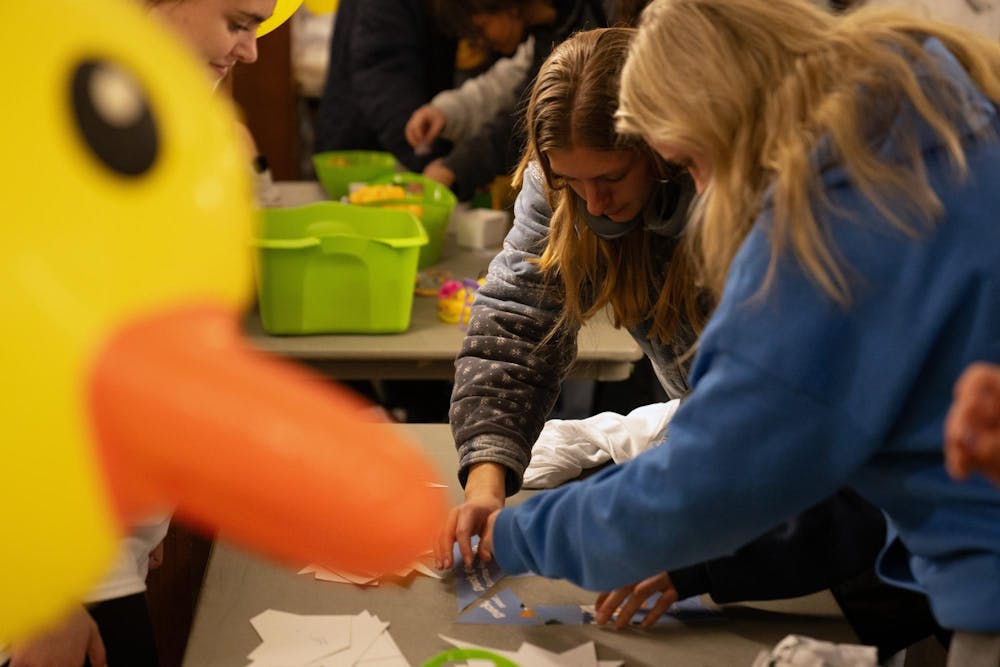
<point>367,579</point>
<point>290,640</point>
<point>383,648</point>
<point>358,579</point>
<point>294,640</point>
<point>365,629</point>
<point>425,570</point>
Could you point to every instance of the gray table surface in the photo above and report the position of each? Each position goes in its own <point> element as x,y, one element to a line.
<point>428,348</point>
<point>239,586</point>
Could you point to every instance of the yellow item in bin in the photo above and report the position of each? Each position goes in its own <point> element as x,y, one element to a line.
<point>369,194</point>
<point>455,299</point>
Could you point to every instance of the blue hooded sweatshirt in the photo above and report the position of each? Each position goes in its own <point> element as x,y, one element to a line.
<point>794,395</point>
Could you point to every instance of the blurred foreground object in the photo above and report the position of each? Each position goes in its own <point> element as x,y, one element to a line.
<point>128,387</point>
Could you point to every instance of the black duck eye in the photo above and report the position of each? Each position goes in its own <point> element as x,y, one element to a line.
<point>112,112</point>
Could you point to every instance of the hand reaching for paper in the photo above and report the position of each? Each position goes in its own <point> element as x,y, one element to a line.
<point>628,600</point>
<point>484,494</point>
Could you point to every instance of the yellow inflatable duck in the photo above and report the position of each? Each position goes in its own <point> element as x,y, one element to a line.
<point>127,388</point>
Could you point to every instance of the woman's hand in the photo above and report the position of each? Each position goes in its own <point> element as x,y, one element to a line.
<point>484,494</point>
<point>972,427</point>
<point>629,599</point>
<point>424,126</point>
<point>65,645</point>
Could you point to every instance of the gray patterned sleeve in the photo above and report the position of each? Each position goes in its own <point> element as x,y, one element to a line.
<point>506,379</point>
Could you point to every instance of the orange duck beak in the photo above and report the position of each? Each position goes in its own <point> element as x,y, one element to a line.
<point>188,416</point>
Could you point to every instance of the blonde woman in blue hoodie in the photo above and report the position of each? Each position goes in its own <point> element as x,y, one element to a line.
<point>848,225</point>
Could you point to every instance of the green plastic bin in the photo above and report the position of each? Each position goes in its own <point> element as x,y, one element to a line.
<point>329,267</point>
<point>437,202</point>
<point>336,170</point>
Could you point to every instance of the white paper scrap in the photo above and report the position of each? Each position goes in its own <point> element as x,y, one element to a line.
<point>365,629</point>
<point>291,640</point>
<point>424,569</point>
<point>384,652</point>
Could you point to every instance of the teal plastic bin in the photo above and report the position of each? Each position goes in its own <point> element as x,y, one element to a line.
<point>329,267</point>
<point>437,202</point>
<point>336,170</point>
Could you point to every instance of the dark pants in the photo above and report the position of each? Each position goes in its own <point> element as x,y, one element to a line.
<point>127,630</point>
<point>885,616</point>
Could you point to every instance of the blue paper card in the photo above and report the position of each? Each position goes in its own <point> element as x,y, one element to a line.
<point>472,582</point>
<point>503,608</point>
<point>565,614</point>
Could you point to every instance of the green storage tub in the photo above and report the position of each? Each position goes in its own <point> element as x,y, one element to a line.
<point>437,202</point>
<point>329,267</point>
<point>336,170</point>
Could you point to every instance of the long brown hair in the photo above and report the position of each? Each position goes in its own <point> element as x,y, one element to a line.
<point>754,86</point>
<point>572,105</point>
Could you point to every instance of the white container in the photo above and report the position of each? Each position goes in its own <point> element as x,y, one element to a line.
<point>480,228</point>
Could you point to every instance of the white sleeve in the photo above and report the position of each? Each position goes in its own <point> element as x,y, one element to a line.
<point>566,447</point>
<point>473,104</point>
<point>127,575</point>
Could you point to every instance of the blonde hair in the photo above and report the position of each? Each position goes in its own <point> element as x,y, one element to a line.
<point>572,105</point>
<point>753,86</point>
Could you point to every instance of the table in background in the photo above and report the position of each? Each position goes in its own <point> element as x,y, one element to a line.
<point>427,350</point>
<point>239,586</point>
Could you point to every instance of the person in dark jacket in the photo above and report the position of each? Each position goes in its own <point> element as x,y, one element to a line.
<point>387,59</point>
<point>597,224</point>
<point>503,24</point>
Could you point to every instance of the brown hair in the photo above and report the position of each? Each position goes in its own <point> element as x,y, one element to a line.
<point>572,104</point>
